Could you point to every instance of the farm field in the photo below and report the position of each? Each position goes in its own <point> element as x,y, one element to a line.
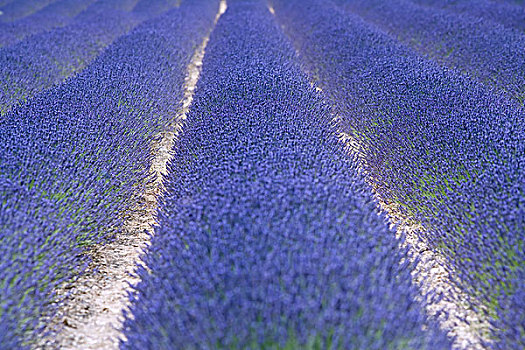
<point>262,174</point>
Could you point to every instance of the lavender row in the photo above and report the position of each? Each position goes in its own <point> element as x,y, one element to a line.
<point>440,148</point>
<point>57,14</point>
<point>15,10</point>
<point>268,237</point>
<point>155,7</point>
<point>75,159</point>
<point>43,60</point>
<point>4,3</point>
<point>509,15</point>
<point>512,2</point>
<point>126,5</point>
<point>485,50</point>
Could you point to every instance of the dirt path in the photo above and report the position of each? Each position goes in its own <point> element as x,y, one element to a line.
<point>92,316</point>
<point>430,274</point>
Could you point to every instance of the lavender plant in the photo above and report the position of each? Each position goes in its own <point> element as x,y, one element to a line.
<point>508,14</point>
<point>268,237</point>
<point>485,50</point>
<point>440,148</point>
<point>512,2</point>
<point>155,7</point>
<point>14,10</point>
<point>4,2</point>
<point>57,14</point>
<point>49,58</point>
<point>74,159</point>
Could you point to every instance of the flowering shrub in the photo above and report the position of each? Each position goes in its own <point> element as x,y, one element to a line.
<point>268,236</point>
<point>508,14</point>
<point>485,50</point>
<point>56,14</point>
<point>13,10</point>
<point>440,148</point>
<point>51,57</point>
<point>75,157</point>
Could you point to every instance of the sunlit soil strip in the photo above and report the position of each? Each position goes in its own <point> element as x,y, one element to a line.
<point>429,274</point>
<point>93,316</point>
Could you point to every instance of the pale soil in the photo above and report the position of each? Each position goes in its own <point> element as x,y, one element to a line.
<point>430,275</point>
<point>92,315</point>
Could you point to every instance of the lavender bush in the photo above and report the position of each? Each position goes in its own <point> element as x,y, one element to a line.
<point>4,2</point>
<point>49,58</point>
<point>13,10</point>
<point>75,157</point>
<point>485,50</point>
<point>437,146</point>
<point>268,236</point>
<point>508,14</point>
<point>57,14</point>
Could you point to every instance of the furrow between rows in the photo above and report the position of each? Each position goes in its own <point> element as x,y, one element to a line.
<point>421,132</point>
<point>75,164</point>
<point>268,236</point>
<point>44,60</point>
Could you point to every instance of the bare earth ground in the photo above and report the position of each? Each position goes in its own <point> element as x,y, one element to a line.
<point>430,274</point>
<point>92,315</point>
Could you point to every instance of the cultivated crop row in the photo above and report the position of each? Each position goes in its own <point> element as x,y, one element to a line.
<point>440,148</point>
<point>13,10</point>
<point>51,57</point>
<point>314,127</point>
<point>268,234</point>
<point>506,14</point>
<point>76,157</point>
<point>54,15</point>
<point>486,50</point>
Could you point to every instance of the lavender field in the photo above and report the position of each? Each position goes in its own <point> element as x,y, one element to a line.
<point>262,174</point>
